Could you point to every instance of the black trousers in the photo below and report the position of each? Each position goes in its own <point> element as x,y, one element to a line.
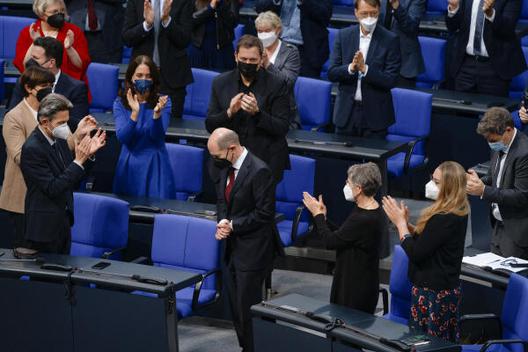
<point>503,245</point>
<point>17,227</point>
<point>407,83</point>
<point>177,97</point>
<point>60,245</point>
<point>244,289</point>
<point>355,126</point>
<point>476,75</point>
<point>308,69</point>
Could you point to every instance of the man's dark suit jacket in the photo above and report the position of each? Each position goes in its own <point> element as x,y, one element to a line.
<point>255,239</point>
<point>315,19</point>
<point>71,88</point>
<point>175,68</point>
<point>502,44</point>
<point>406,24</point>
<point>512,193</point>
<point>383,60</point>
<point>50,183</point>
<point>264,134</point>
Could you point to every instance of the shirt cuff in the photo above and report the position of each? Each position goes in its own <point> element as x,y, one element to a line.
<point>452,13</point>
<point>145,27</point>
<point>166,23</point>
<point>483,191</point>
<point>350,71</point>
<point>80,165</point>
<point>406,236</point>
<point>361,75</point>
<point>492,17</point>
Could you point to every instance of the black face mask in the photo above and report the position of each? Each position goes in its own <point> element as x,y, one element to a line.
<point>249,71</point>
<point>31,63</point>
<point>222,163</point>
<point>44,92</point>
<point>57,20</point>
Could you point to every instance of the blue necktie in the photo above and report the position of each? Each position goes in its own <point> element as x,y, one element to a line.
<point>479,29</point>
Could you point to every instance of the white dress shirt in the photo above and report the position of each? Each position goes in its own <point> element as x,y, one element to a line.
<point>494,206</point>
<point>57,76</point>
<point>238,163</point>
<point>275,53</point>
<point>364,44</point>
<point>473,25</point>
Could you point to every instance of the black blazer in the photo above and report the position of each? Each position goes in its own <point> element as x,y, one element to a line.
<point>512,193</point>
<point>71,88</point>
<point>502,44</point>
<point>175,69</point>
<point>50,183</point>
<point>383,60</point>
<point>263,134</point>
<point>226,19</point>
<point>315,19</point>
<point>255,239</point>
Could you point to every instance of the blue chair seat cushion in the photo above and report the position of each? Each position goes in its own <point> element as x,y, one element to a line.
<point>395,163</point>
<point>285,228</point>
<point>396,319</point>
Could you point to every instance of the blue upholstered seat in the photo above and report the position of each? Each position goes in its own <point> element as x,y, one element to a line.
<point>187,168</point>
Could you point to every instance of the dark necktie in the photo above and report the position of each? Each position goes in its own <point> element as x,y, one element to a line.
<point>156,6</point>
<point>497,169</point>
<point>388,15</point>
<point>92,17</point>
<point>479,29</point>
<point>58,154</point>
<point>229,187</point>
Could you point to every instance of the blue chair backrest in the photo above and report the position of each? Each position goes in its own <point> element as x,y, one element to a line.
<point>101,224</point>
<point>433,51</point>
<point>187,168</point>
<point>198,94</point>
<point>103,80</point>
<point>239,31</point>
<point>515,312</point>
<point>314,99</point>
<point>343,2</point>
<point>2,85</point>
<point>127,54</point>
<point>186,243</point>
<point>10,27</point>
<point>399,284</point>
<point>298,179</point>
<point>517,120</point>
<point>332,33</point>
<point>524,10</point>
<point>519,82</point>
<point>436,7</point>
<point>412,110</point>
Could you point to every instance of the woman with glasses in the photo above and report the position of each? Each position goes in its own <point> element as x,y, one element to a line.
<point>435,247</point>
<point>356,241</point>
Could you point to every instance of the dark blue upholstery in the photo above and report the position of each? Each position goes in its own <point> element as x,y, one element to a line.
<point>520,82</point>
<point>517,120</point>
<point>289,195</point>
<point>10,27</point>
<point>332,32</point>
<point>343,2</point>
<point>433,51</point>
<point>239,31</point>
<point>188,244</point>
<point>314,98</point>
<point>436,8</point>
<point>127,54</point>
<point>412,110</point>
<point>2,88</point>
<point>399,287</point>
<point>187,168</point>
<point>523,20</point>
<point>514,317</point>
<point>101,225</point>
<point>198,94</point>
<point>103,80</point>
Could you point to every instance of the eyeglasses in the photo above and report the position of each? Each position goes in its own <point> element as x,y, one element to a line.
<point>365,14</point>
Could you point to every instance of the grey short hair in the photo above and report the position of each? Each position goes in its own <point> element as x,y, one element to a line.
<point>40,6</point>
<point>227,138</point>
<point>268,17</point>
<point>52,104</point>
<point>495,121</point>
<point>367,176</point>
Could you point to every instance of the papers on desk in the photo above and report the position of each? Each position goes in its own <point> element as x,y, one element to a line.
<point>496,262</point>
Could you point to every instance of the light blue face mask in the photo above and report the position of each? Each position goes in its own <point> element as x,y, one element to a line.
<point>497,146</point>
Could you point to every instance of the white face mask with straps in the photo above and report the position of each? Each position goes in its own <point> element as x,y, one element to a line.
<point>267,38</point>
<point>347,191</point>
<point>369,23</point>
<point>431,190</point>
<point>62,131</point>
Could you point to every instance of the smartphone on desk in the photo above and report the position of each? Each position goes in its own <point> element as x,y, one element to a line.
<point>101,265</point>
<point>416,340</point>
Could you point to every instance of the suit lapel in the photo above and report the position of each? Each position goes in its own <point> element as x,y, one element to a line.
<point>355,43</point>
<point>59,87</point>
<point>50,152</point>
<point>373,45</point>
<point>281,58</point>
<point>509,157</point>
<point>241,176</point>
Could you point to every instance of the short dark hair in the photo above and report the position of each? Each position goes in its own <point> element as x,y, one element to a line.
<point>52,104</point>
<point>249,41</point>
<point>52,48</point>
<point>495,121</point>
<point>35,76</point>
<point>374,3</point>
<point>154,74</point>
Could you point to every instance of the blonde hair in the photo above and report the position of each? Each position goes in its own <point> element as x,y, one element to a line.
<point>40,6</point>
<point>452,197</point>
<point>270,18</point>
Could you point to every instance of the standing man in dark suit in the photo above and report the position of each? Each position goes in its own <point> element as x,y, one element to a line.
<point>246,222</point>
<point>161,29</point>
<point>403,18</point>
<point>506,184</point>
<point>51,174</point>
<point>366,64</point>
<point>305,24</point>
<point>47,53</point>
<point>486,51</point>
<point>255,104</point>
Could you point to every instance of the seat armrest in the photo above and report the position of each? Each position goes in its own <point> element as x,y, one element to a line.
<point>465,319</point>
<point>385,299</point>
<point>198,289</point>
<point>490,343</point>
<point>295,224</point>
<point>410,150</point>
<point>107,255</point>
<point>139,260</point>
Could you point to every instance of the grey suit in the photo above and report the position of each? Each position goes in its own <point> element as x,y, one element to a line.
<point>512,198</point>
<point>287,66</point>
<point>406,24</point>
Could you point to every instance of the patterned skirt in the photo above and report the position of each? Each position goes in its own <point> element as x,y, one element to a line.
<point>436,313</point>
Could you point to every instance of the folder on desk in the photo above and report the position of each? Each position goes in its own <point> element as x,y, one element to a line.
<point>495,262</point>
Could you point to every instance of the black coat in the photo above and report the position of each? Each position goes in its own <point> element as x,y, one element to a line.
<point>226,19</point>
<point>255,240</point>
<point>175,69</point>
<point>263,134</point>
<point>502,44</point>
<point>383,60</point>
<point>50,184</point>
<point>71,88</point>
<point>512,194</point>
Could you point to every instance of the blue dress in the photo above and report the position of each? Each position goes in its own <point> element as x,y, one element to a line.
<point>143,168</point>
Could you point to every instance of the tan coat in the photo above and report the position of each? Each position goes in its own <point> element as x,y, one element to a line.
<point>18,125</point>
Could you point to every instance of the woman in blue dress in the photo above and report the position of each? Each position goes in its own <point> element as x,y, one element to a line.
<point>142,118</point>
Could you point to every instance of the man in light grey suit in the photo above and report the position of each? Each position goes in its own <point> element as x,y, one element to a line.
<point>403,18</point>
